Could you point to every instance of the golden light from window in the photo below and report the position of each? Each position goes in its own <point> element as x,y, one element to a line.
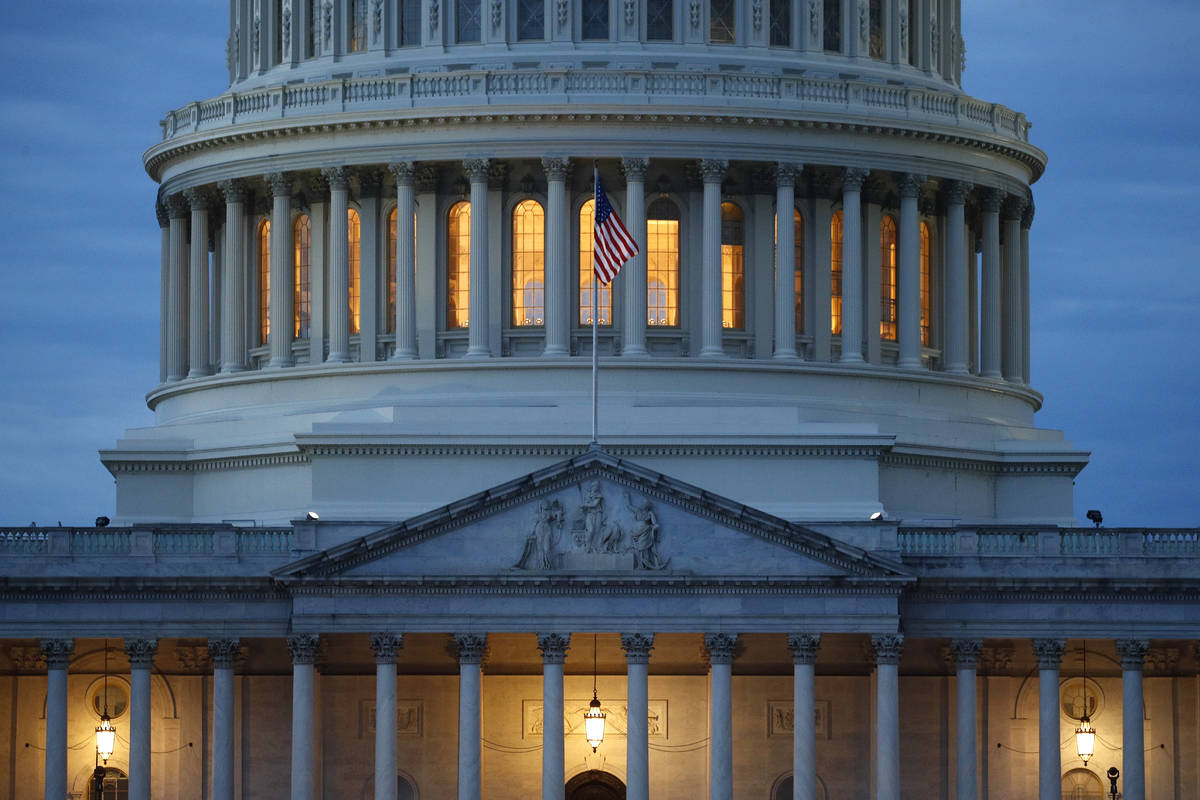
<point>733,294</point>
<point>835,270</point>
<point>458,265</point>
<point>887,279</point>
<point>528,264</point>
<point>264,281</point>
<point>302,238</point>
<point>798,234</point>
<point>354,233</point>
<point>662,264</point>
<point>587,274</point>
<point>926,284</point>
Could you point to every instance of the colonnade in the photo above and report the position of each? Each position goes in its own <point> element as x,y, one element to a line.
<point>992,308</point>
<point>721,649</point>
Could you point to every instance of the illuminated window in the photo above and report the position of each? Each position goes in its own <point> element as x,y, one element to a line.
<point>733,267</point>
<point>587,273</point>
<point>354,234</point>
<point>466,22</point>
<point>832,34</point>
<point>798,233</point>
<point>264,281</point>
<point>531,19</point>
<point>528,264</point>
<point>595,19</point>
<point>302,236</point>
<point>835,274</point>
<point>662,264</point>
<point>114,786</point>
<point>458,265</point>
<point>887,279</point>
<point>721,24</point>
<point>660,20</point>
<point>876,26</point>
<point>781,23</point>
<point>410,22</point>
<point>358,26</point>
<point>926,285</point>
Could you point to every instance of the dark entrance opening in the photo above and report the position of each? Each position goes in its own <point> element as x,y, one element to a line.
<point>595,785</point>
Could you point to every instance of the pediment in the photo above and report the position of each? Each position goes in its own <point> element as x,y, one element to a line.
<point>595,515</point>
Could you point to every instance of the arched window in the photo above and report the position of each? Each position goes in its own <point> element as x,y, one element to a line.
<point>876,28</point>
<point>662,264</point>
<point>302,237</point>
<point>358,26</point>
<point>595,19</point>
<point>528,264</point>
<point>405,790</point>
<point>835,270</point>
<point>587,271</point>
<point>722,25</point>
<point>832,34</point>
<point>1082,784</point>
<point>887,279</point>
<point>926,284</point>
<point>354,233</point>
<point>781,23</point>
<point>466,21</point>
<point>798,233</point>
<point>660,20</point>
<point>733,267</point>
<point>391,267</point>
<point>458,265</point>
<point>531,20</point>
<point>264,281</point>
<point>113,786</point>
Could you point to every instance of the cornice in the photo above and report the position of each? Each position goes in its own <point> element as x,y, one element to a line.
<point>109,590</point>
<point>1057,589</point>
<point>593,585</point>
<point>120,466</point>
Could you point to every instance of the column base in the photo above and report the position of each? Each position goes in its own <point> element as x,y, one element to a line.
<point>478,353</point>
<point>635,351</point>
<point>909,363</point>
<point>786,355</point>
<point>554,351</point>
<point>992,375</point>
<point>229,369</point>
<point>957,370</point>
<point>409,355</point>
<point>712,352</point>
<point>337,358</point>
<point>279,364</point>
<point>852,358</point>
<point>198,373</point>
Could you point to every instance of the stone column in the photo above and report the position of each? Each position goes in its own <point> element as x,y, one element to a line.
<point>554,652</point>
<point>218,279</point>
<point>887,649</point>
<point>141,662</point>
<point>406,274</point>
<point>1026,224</point>
<point>339,264</point>
<point>470,647</point>
<point>385,646</point>
<point>477,332</point>
<point>558,270</point>
<point>177,313</point>
<point>1133,760</point>
<point>989,328</point>
<point>282,271</point>
<point>1049,655</point>
<point>852,265</point>
<point>722,649</point>
<point>820,270</point>
<point>909,268</point>
<point>785,260</point>
<point>164,288</point>
<point>198,285</point>
<point>369,183</point>
<point>57,653</point>
<point>304,648</point>
<point>1011,312</point>
<point>966,659</point>
<point>637,647</point>
<point>712,170</point>
<point>634,271</point>
<point>804,648</point>
<point>955,193</point>
<point>223,653</point>
<point>318,216</point>
<point>233,287</point>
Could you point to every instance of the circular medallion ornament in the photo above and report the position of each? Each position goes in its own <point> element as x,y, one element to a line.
<point>1072,699</point>
<point>116,696</point>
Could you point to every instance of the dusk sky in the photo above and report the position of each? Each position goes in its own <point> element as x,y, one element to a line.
<point>1110,86</point>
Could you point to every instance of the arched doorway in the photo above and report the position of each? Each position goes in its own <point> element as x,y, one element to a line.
<point>108,784</point>
<point>595,785</point>
<point>1082,784</point>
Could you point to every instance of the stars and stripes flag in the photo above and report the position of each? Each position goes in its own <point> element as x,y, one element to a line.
<point>612,245</point>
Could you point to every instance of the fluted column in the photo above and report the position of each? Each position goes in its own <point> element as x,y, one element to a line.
<point>1011,312</point>
<point>304,648</point>
<point>164,288</point>
<point>218,279</point>
<point>722,649</point>
<point>955,193</point>
<point>339,264</point>
<point>1133,759</point>
<point>637,647</point>
<point>554,652</point>
<point>282,275</point>
<point>804,648</point>
<point>1026,224</point>
<point>477,328</point>
<point>966,659</point>
<point>558,271</point>
<point>852,265</point>
<point>57,653</point>
<point>141,662</point>
<point>910,272</point>
<point>887,649</point>
<point>470,647</point>
<point>785,260</point>
<point>634,271</point>
<point>177,312</point>
<point>198,285</point>
<point>406,283</point>
<point>1049,654</point>
<point>712,170</point>
<point>233,287</point>
<point>989,327</point>
<point>385,647</point>
<point>223,653</point>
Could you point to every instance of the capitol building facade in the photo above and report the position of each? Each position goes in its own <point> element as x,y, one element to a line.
<point>818,550</point>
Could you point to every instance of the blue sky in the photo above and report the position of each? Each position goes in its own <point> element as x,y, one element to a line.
<point>1110,86</point>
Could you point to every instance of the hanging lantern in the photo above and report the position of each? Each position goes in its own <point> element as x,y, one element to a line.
<point>106,737</point>
<point>1085,739</point>
<point>593,723</point>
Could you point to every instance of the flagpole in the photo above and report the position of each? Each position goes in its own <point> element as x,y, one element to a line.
<point>595,308</point>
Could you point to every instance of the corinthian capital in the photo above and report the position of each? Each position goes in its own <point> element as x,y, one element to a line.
<point>887,647</point>
<point>712,170</point>
<point>403,172</point>
<point>224,652</point>
<point>787,174</point>
<point>804,647</point>
<point>197,198</point>
<point>966,652</point>
<point>1014,207</point>
<point>635,168</point>
<point>910,184</point>
<point>554,647</point>
<point>852,179</point>
<point>385,646</point>
<point>1133,653</point>
<point>57,652</point>
<point>637,647</point>
<point>1049,652</point>
<point>141,652</point>
<point>722,648</point>
<point>280,183</point>
<point>177,206</point>
<point>556,169</point>
<point>338,177</point>
<point>470,647</point>
<point>955,192</point>
<point>234,191</point>
<point>476,169</point>
<point>991,199</point>
<point>304,647</point>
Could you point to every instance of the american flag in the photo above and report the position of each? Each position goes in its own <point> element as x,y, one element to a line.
<point>612,245</point>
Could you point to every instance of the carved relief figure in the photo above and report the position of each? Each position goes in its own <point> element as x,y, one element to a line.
<point>541,548</point>
<point>644,536</point>
<point>591,507</point>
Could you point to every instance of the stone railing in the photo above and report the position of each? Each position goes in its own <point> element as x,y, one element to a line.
<point>135,541</point>
<point>528,90</point>
<point>1022,541</point>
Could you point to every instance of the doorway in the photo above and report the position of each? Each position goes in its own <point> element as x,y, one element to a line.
<point>595,785</point>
